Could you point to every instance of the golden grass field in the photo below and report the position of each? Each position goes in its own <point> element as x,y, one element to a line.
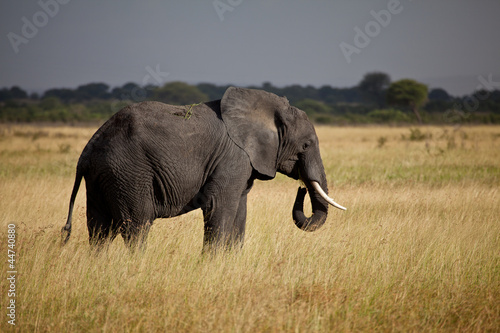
<point>417,250</point>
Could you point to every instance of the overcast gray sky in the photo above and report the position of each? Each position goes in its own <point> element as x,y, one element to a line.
<point>66,43</point>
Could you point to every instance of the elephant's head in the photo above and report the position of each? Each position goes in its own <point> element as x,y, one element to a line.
<point>279,137</point>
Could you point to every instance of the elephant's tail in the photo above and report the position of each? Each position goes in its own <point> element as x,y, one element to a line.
<point>66,230</point>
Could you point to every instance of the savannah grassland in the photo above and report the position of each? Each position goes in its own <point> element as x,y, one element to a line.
<point>417,250</point>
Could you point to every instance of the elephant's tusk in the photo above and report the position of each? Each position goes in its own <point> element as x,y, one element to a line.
<point>318,189</point>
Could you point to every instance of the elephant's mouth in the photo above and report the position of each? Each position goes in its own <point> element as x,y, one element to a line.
<point>295,174</point>
<point>290,169</point>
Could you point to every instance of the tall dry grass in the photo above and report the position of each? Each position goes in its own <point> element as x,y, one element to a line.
<point>417,250</point>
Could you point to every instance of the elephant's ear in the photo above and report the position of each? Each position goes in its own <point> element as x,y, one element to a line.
<point>251,118</point>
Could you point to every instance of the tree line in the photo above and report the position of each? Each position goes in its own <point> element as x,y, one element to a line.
<point>375,99</point>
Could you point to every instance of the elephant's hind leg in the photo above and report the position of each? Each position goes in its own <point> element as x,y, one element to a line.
<point>100,227</point>
<point>135,234</point>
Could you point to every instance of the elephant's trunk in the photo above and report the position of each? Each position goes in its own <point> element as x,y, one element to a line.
<point>319,201</point>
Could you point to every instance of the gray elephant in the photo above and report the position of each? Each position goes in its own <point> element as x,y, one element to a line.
<point>152,160</point>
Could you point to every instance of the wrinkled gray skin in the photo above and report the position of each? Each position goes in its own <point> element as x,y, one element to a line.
<point>152,161</point>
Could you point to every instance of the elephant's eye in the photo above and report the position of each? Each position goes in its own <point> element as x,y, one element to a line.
<point>306,145</point>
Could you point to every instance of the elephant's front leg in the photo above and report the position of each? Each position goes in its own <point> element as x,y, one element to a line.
<point>237,234</point>
<point>225,225</point>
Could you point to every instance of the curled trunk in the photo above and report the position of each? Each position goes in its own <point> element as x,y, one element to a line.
<point>319,210</point>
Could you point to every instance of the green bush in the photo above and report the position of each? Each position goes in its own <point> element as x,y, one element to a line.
<point>389,116</point>
<point>324,119</point>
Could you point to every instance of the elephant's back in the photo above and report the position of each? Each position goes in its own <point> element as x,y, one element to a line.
<point>147,120</point>
<point>150,135</point>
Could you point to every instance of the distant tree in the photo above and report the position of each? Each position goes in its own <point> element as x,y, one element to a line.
<point>375,82</point>
<point>17,93</point>
<point>331,95</point>
<point>495,95</point>
<point>4,94</point>
<point>213,91</point>
<point>327,94</point>
<point>179,93</point>
<point>129,86</point>
<point>268,86</point>
<point>296,92</point>
<point>64,94</point>
<point>93,91</point>
<point>373,86</point>
<point>50,103</point>
<point>439,101</point>
<point>408,93</point>
<point>312,107</point>
<point>129,91</point>
<point>439,94</point>
<point>118,93</point>
<point>350,95</point>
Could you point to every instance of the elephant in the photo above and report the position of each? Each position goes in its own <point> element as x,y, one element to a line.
<point>153,160</point>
